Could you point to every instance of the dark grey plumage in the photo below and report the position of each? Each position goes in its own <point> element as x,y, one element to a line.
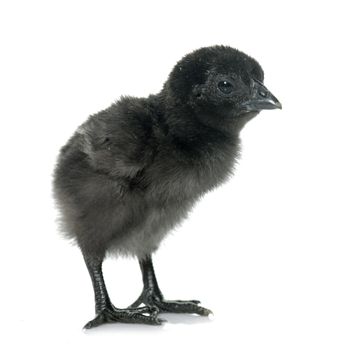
<point>133,171</point>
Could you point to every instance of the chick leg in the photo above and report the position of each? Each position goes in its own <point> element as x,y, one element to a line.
<point>152,296</point>
<point>106,312</point>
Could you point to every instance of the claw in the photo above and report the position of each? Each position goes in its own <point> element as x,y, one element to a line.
<point>98,320</point>
<point>206,312</point>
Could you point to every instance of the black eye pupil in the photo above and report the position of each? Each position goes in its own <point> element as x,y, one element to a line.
<point>225,86</point>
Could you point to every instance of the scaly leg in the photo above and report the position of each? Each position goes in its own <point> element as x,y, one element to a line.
<point>105,311</point>
<point>152,296</point>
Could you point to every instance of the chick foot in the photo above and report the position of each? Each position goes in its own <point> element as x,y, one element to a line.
<point>143,315</point>
<point>152,299</point>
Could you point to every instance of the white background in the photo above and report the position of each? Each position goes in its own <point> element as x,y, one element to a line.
<point>268,252</point>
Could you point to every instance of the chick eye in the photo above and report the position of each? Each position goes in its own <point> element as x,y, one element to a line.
<point>225,87</point>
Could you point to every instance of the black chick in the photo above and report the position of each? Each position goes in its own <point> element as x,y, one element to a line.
<point>133,171</point>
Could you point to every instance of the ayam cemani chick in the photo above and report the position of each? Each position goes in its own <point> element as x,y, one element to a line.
<point>133,171</point>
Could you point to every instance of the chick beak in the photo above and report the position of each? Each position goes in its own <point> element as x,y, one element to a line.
<point>260,98</point>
